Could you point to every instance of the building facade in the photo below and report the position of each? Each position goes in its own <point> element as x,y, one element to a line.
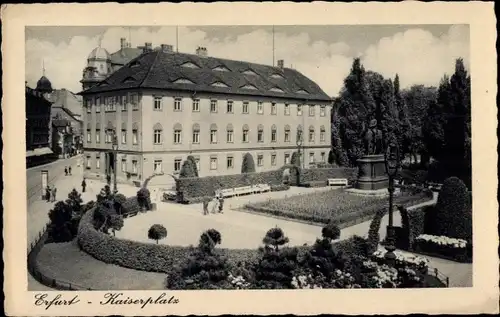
<point>163,106</point>
<point>68,106</point>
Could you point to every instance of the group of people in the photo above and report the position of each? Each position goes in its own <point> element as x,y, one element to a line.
<point>67,170</point>
<point>50,193</point>
<point>218,204</point>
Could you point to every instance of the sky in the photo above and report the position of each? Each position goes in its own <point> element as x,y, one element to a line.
<point>420,54</point>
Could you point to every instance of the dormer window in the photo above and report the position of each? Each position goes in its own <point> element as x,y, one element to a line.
<point>183,81</point>
<point>219,84</point>
<point>129,80</point>
<point>134,64</point>
<point>252,87</point>
<point>302,91</point>
<point>276,89</point>
<point>249,72</point>
<point>277,76</point>
<point>190,65</point>
<point>221,68</point>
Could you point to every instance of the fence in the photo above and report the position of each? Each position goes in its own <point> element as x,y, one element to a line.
<point>440,276</point>
<point>33,250</point>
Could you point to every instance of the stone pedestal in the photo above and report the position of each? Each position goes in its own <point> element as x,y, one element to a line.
<point>372,175</point>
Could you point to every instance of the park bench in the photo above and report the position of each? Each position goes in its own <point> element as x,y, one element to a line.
<point>264,188</point>
<point>243,190</point>
<point>337,182</point>
<point>229,192</point>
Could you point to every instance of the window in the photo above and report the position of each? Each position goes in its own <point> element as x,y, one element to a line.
<point>229,106</point>
<point>177,165</point>
<point>287,134</point>
<point>124,103</point>
<point>230,135</point>
<point>98,162</point>
<point>124,165</point>
<point>311,157</point>
<point>88,163</point>
<point>287,158</point>
<point>157,135</point>
<point>213,105</point>
<point>287,109</point>
<point>311,134</point>
<point>273,134</point>
<point>97,136</point>
<point>177,136</point>
<point>109,136</point>
<point>157,103</point>
<point>213,163</point>
<point>311,110</point>
<point>157,166</point>
<point>196,134</point>
<point>98,104</point>
<point>89,136</point>
<point>260,108</point>
<point>213,133</point>
<point>134,136</point>
<point>134,100</point>
<point>134,166</point>
<point>260,134</point>
<point>273,108</point>
<point>245,134</point>
<point>299,110</point>
<point>260,160</point>
<point>178,104</point>
<point>323,157</point>
<point>273,159</point>
<point>89,105</point>
<point>322,134</point>
<point>230,162</point>
<point>322,111</point>
<point>196,105</point>
<point>124,136</point>
<point>245,107</point>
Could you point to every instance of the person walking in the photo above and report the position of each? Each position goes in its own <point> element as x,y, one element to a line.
<point>48,193</point>
<point>84,184</point>
<point>69,170</point>
<point>205,207</point>
<point>65,171</point>
<point>221,204</point>
<point>54,191</point>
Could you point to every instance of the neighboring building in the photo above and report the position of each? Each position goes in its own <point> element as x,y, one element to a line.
<point>68,106</point>
<point>38,122</point>
<point>62,138</point>
<point>164,106</point>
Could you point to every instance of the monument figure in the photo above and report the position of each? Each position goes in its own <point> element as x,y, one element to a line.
<point>373,139</point>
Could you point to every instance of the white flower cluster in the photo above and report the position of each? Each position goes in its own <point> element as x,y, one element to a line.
<point>370,264</point>
<point>303,282</point>
<point>386,276</point>
<point>238,281</point>
<point>404,258</point>
<point>442,240</point>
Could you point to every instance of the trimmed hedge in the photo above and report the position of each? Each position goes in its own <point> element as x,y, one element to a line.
<point>322,174</point>
<point>443,251</point>
<point>416,224</point>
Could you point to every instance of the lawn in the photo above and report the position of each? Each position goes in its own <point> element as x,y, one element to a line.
<point>337,205</point>
<point>66,262</point>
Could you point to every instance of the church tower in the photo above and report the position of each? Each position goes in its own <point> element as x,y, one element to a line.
<point>98,67</point>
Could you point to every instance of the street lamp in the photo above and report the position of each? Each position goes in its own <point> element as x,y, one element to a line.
<point>115,151</point>
<point>392,165</point>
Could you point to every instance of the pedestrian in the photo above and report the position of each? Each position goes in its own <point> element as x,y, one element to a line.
<point>69,170</point>
<point>205,207</point>
<point>221,204</point>
<point>54,191</point>
<point>84,184</point>
<point>48,193</point>
<point>65,171</point>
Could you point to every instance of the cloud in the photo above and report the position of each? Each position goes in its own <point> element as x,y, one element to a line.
<point>416,55</point>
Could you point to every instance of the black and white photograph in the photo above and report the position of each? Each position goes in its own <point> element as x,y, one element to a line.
<point>247,157</point>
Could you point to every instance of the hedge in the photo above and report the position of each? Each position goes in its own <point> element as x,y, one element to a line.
<point>322,174</point>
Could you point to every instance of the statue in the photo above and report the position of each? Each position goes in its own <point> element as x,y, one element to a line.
<point>373,139</point>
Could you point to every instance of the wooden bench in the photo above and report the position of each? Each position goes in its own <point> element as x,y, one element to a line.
<point>337,182</point>
<point>243,190</point>
<point>229,192</point>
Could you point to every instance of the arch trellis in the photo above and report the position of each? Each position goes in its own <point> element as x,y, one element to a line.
<point>404,241</point>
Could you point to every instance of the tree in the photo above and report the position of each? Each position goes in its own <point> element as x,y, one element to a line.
<point>355,106</point>
<point>331,157</point>
<point>248,164</point>
<point>330,232</point>
<point>144,198</point>
<point>188,168</point>
<point>75,201</point>
<point>157,232</point>
<point>60,228</point>
<point>275,237</point>
<point>295,160</point>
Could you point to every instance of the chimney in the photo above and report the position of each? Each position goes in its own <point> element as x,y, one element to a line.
<point>148,47</point>
<point>167,48</point>
<point>281,63</point>
<point>201,51</point>
<point>123,43</point>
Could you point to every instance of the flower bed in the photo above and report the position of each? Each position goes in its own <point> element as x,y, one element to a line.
<point>404,261</point>
<point>444,247</point>
<point>337,205</point>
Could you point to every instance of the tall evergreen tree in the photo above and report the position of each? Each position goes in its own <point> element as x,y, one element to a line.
<point>404,129</point>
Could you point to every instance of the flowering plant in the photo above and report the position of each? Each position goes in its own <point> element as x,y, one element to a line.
<point>238,281</point>
<point>403,259</point>
<point>443,241</point>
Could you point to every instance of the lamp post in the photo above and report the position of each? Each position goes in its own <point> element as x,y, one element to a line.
<point>115,152</point>
<point>299,145</point>
<point>392,165</point>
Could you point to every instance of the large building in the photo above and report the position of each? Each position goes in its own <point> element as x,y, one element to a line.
<point>164,106</point>
<point>67,110</point>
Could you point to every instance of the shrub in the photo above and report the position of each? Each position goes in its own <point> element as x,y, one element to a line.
<point>116,223</point>
<point>453,211</point>
<point>130,206</point>
<point>157,232</point>
<point>331,231</point>
<point>322,259</point>
<point>248,164</point>
<point>120,200</point>
<point>295,160</point>
<point>60,228</point>
<point>331,157</point>
<point>188,168</point>
<point>275,237</point>
<point>144,198</point>
<point>373,232</point>
<point>75,201</point>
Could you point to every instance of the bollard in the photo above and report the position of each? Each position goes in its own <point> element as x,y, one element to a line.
<point>447,281</point>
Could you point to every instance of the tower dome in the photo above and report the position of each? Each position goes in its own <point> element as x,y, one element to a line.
<point>99,53</point>
<point>44,85</point>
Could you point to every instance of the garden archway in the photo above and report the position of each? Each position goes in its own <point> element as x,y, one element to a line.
<point>403,233</point>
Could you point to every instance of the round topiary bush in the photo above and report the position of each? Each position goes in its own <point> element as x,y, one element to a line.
<point>248,164</point>
<point>331,231</point>
<point>454,210</point>
<point>157,232</point>
<point>275,237</point>
<point>188,168</point>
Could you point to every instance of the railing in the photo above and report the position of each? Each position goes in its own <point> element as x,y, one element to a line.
<point>34,248</point>
<point>440,276</point>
